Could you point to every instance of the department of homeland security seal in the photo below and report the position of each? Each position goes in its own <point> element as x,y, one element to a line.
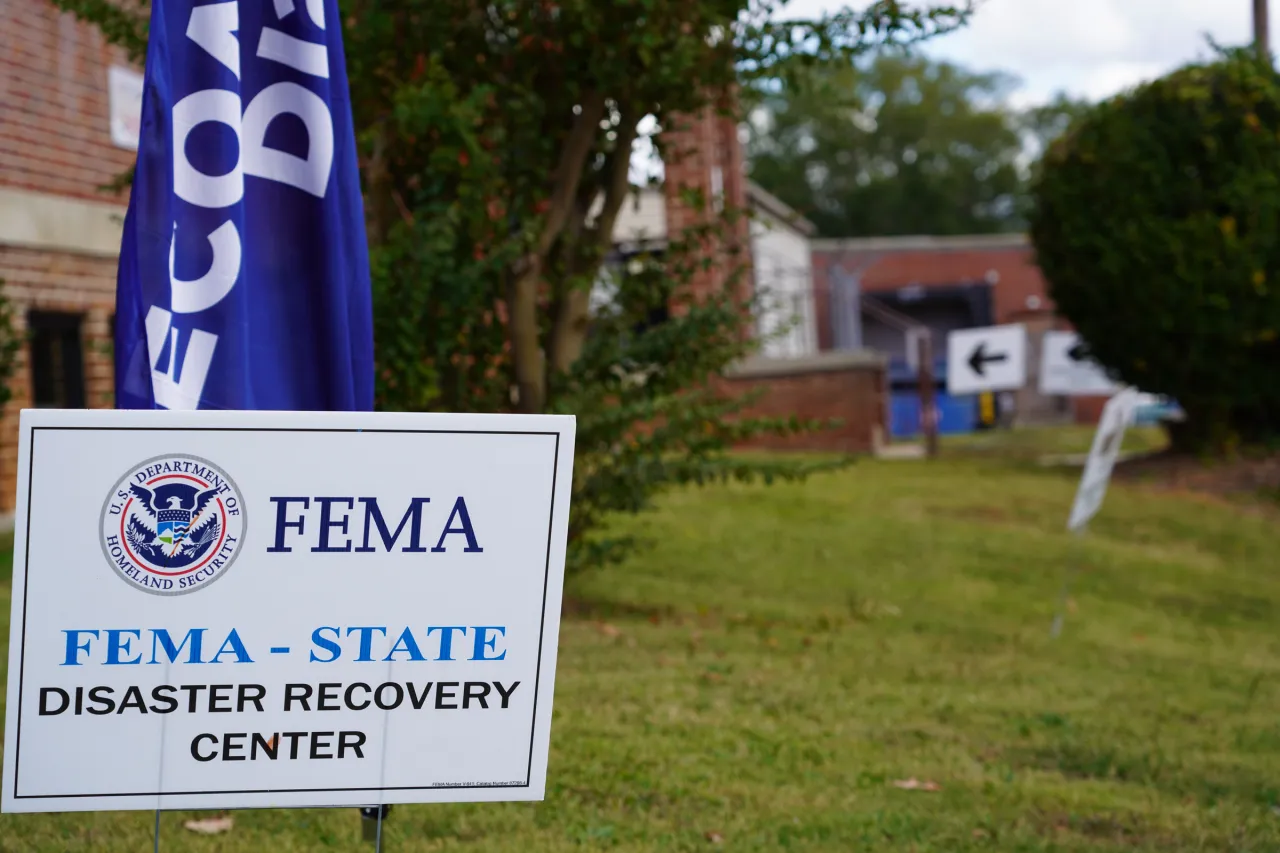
<point>173,524</point>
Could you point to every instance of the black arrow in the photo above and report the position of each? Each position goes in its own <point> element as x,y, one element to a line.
<point>981,359</point>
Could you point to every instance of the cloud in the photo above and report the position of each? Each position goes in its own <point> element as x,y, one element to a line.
<point>1088,48</point>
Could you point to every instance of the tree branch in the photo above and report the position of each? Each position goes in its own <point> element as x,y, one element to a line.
<point>569,330</point>
<point>569,170</point>
<point>377,181</point>
<point>619,185</point>
<point>528,363</point>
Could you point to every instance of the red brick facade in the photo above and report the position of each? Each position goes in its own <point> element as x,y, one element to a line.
<point>1019,290</point>
<point>846,387</point>
<point>702,155</point>
<point>54,117</point>
<point>55,141</point>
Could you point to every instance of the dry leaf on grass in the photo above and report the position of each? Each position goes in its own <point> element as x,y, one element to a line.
<point>914,784</point>
<point>609,630</point>
<point>715,837</point>
<point>210,825</point>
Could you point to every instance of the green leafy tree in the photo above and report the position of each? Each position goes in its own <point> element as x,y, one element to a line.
<point>496,140</point>
<point>1042,126</point>
<point>1157,224</point>
<point>900,144</point>
<point>1047,123</point>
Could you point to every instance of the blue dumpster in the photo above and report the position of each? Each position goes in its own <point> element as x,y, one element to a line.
<point>956,415</point>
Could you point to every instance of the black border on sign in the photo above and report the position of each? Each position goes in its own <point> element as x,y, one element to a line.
<point>537,681</point>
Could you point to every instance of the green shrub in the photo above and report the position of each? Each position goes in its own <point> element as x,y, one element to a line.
<point>11,340</point>
<point>1157,225</point>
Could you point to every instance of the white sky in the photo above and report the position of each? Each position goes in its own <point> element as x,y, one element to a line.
<point>1088,48</point>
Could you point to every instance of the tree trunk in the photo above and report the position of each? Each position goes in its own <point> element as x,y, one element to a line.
<point>526,353</point>
<point>569,331</point>
<point>377,184</point>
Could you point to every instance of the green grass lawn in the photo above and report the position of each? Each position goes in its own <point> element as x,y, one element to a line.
<point>761,677</point>
<point>1034,442</point>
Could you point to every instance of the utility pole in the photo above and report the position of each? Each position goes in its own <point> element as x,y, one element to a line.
<point>1261,31</point>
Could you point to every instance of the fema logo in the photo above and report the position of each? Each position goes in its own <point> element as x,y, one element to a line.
<point>173,524</point>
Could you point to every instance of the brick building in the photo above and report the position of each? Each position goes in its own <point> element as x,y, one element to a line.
<point>68,125</point>
<point>941,283</point>
<point>704,153</point>
<point>995,276</point>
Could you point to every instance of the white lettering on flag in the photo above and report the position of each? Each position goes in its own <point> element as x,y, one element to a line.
<point>311,173</point>
<point>190,183</point>
<point>214,27</point>
<point>179,386</point>
<point>211,27</point>
<point>308,57</point>
<point>201,294</point>
<point>315,9</point>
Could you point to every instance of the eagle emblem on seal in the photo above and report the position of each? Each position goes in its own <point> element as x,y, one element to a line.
<point>173,526</point>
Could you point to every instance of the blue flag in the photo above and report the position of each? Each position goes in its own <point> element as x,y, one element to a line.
<point>244,271</point>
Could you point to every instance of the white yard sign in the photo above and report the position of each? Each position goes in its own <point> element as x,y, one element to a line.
<point>1066,370</point>
<point>251,609</point>
<point>1116,418</point>
<point>988,359</point>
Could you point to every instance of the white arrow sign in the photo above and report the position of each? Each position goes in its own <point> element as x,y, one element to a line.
<point>988,359</point>
<point>1116,417</point>
<point>1066,368</point>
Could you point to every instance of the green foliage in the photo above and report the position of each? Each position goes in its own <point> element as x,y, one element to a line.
<point>901,144</point>
<point>1048,122</point>
<point>123,24</point>
<point>1157,224</point>
<point>11,341</point>
<point>497,140</point>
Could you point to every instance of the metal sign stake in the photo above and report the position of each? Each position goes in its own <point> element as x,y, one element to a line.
<point>371,818</point>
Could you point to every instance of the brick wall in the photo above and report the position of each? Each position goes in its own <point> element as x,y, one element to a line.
<point>1088,410</point>
<point>846,386</point>
<point>1019,293</point>
<point>702,154</point>
<point>1005,261</point>
<point>54,113</point>
<point>44,281</point>
<point>55,143</point>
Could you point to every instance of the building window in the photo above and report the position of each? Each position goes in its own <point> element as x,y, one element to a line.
<point>57,361</point>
